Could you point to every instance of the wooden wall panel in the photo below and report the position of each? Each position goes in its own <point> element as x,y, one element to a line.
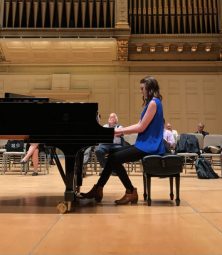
<point>209,97</point>
<point>192,96</point>
<point>172,97</point>
<point>80,81</point>
<point>122,98</point>
<point>173,93</point>
<point>1,84</point>
<point>55,51</point>
<point>43,82</point>
<point>61,81</point>
<point>103,92</point>
<point>17,83</point>
<point>135,98</point>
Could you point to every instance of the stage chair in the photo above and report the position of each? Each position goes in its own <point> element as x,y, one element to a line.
<point>188,156</point>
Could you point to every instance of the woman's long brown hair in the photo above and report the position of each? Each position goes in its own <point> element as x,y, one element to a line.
<point>152,89</point>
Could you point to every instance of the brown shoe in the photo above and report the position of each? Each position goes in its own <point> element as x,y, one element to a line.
<point>96,192</point>
<point>128,198</point>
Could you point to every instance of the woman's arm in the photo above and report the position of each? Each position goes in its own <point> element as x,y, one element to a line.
<point>141,125</point>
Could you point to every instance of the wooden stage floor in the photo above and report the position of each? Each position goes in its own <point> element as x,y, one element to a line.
<point>31,224</point>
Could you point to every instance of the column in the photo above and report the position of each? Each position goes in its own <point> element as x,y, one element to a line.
<point>121,14</point>
<point>1,12</point>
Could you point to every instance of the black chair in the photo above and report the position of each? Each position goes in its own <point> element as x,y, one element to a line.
<point>162,166</point>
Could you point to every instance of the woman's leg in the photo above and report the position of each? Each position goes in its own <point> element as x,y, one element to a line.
<point>35,159</point>
<point>30,151</point>
<point>115,163</point>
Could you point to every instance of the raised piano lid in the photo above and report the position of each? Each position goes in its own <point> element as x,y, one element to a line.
<point>13,97</point>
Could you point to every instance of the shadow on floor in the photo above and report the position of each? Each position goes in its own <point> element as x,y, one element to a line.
<point>48,205</point>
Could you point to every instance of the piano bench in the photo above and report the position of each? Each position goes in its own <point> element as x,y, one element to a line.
<point>162,166</point>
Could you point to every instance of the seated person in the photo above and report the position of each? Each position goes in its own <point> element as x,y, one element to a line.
<point>170,142</point>
<point>87,152</point>
<point>169,127</point>
<point>200,129</point>
<point>103,149</point>
<point>33,151</point>
<point>49,151</point>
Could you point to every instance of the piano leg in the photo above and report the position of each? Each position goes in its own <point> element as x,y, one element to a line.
<point>72,176</point>
<point>68,178</point>
<point>79,170</point>
<point>70,181</point>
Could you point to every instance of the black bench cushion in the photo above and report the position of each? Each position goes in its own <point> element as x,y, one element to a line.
<point>157,165</point>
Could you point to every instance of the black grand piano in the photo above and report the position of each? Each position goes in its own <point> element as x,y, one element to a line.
<point>67,126</point>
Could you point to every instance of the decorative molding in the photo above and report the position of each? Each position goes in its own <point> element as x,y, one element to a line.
<point>176,37</point>
<point>174,50</point>
<point>2,56</point>
<point>57,51</point>
<point>122,50</point>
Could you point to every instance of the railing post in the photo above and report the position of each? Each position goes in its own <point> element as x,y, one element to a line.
<point>1,12</point>
<point>121,14</point>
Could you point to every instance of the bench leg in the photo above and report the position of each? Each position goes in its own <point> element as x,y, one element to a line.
<point>144,187</point>
<point>148,190</point>
<point>178,190</point>
<point>171,188</point>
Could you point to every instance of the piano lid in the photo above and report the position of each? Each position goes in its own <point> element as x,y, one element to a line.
<point>53,121</point>
<point>13,97</point>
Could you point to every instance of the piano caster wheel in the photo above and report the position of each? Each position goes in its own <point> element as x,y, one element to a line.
<point>144,196</point>
<point>177,202</point>
<point>149,202</point>
<point>64,207</point>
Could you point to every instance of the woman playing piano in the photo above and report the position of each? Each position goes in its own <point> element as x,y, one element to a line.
<point>149,141</point>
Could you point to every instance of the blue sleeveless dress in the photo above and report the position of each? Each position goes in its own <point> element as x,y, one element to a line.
<point>151,139</point>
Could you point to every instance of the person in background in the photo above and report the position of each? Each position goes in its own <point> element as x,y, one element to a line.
<point>88,151</point>
<point>33,151</point>
<point>200,129</point>
<point>175,133</point>
<point>149,141</point>
<point>169,138</point>
<point>102,150</point>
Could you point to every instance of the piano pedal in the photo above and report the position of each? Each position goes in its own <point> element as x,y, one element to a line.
<point>64,207</point>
